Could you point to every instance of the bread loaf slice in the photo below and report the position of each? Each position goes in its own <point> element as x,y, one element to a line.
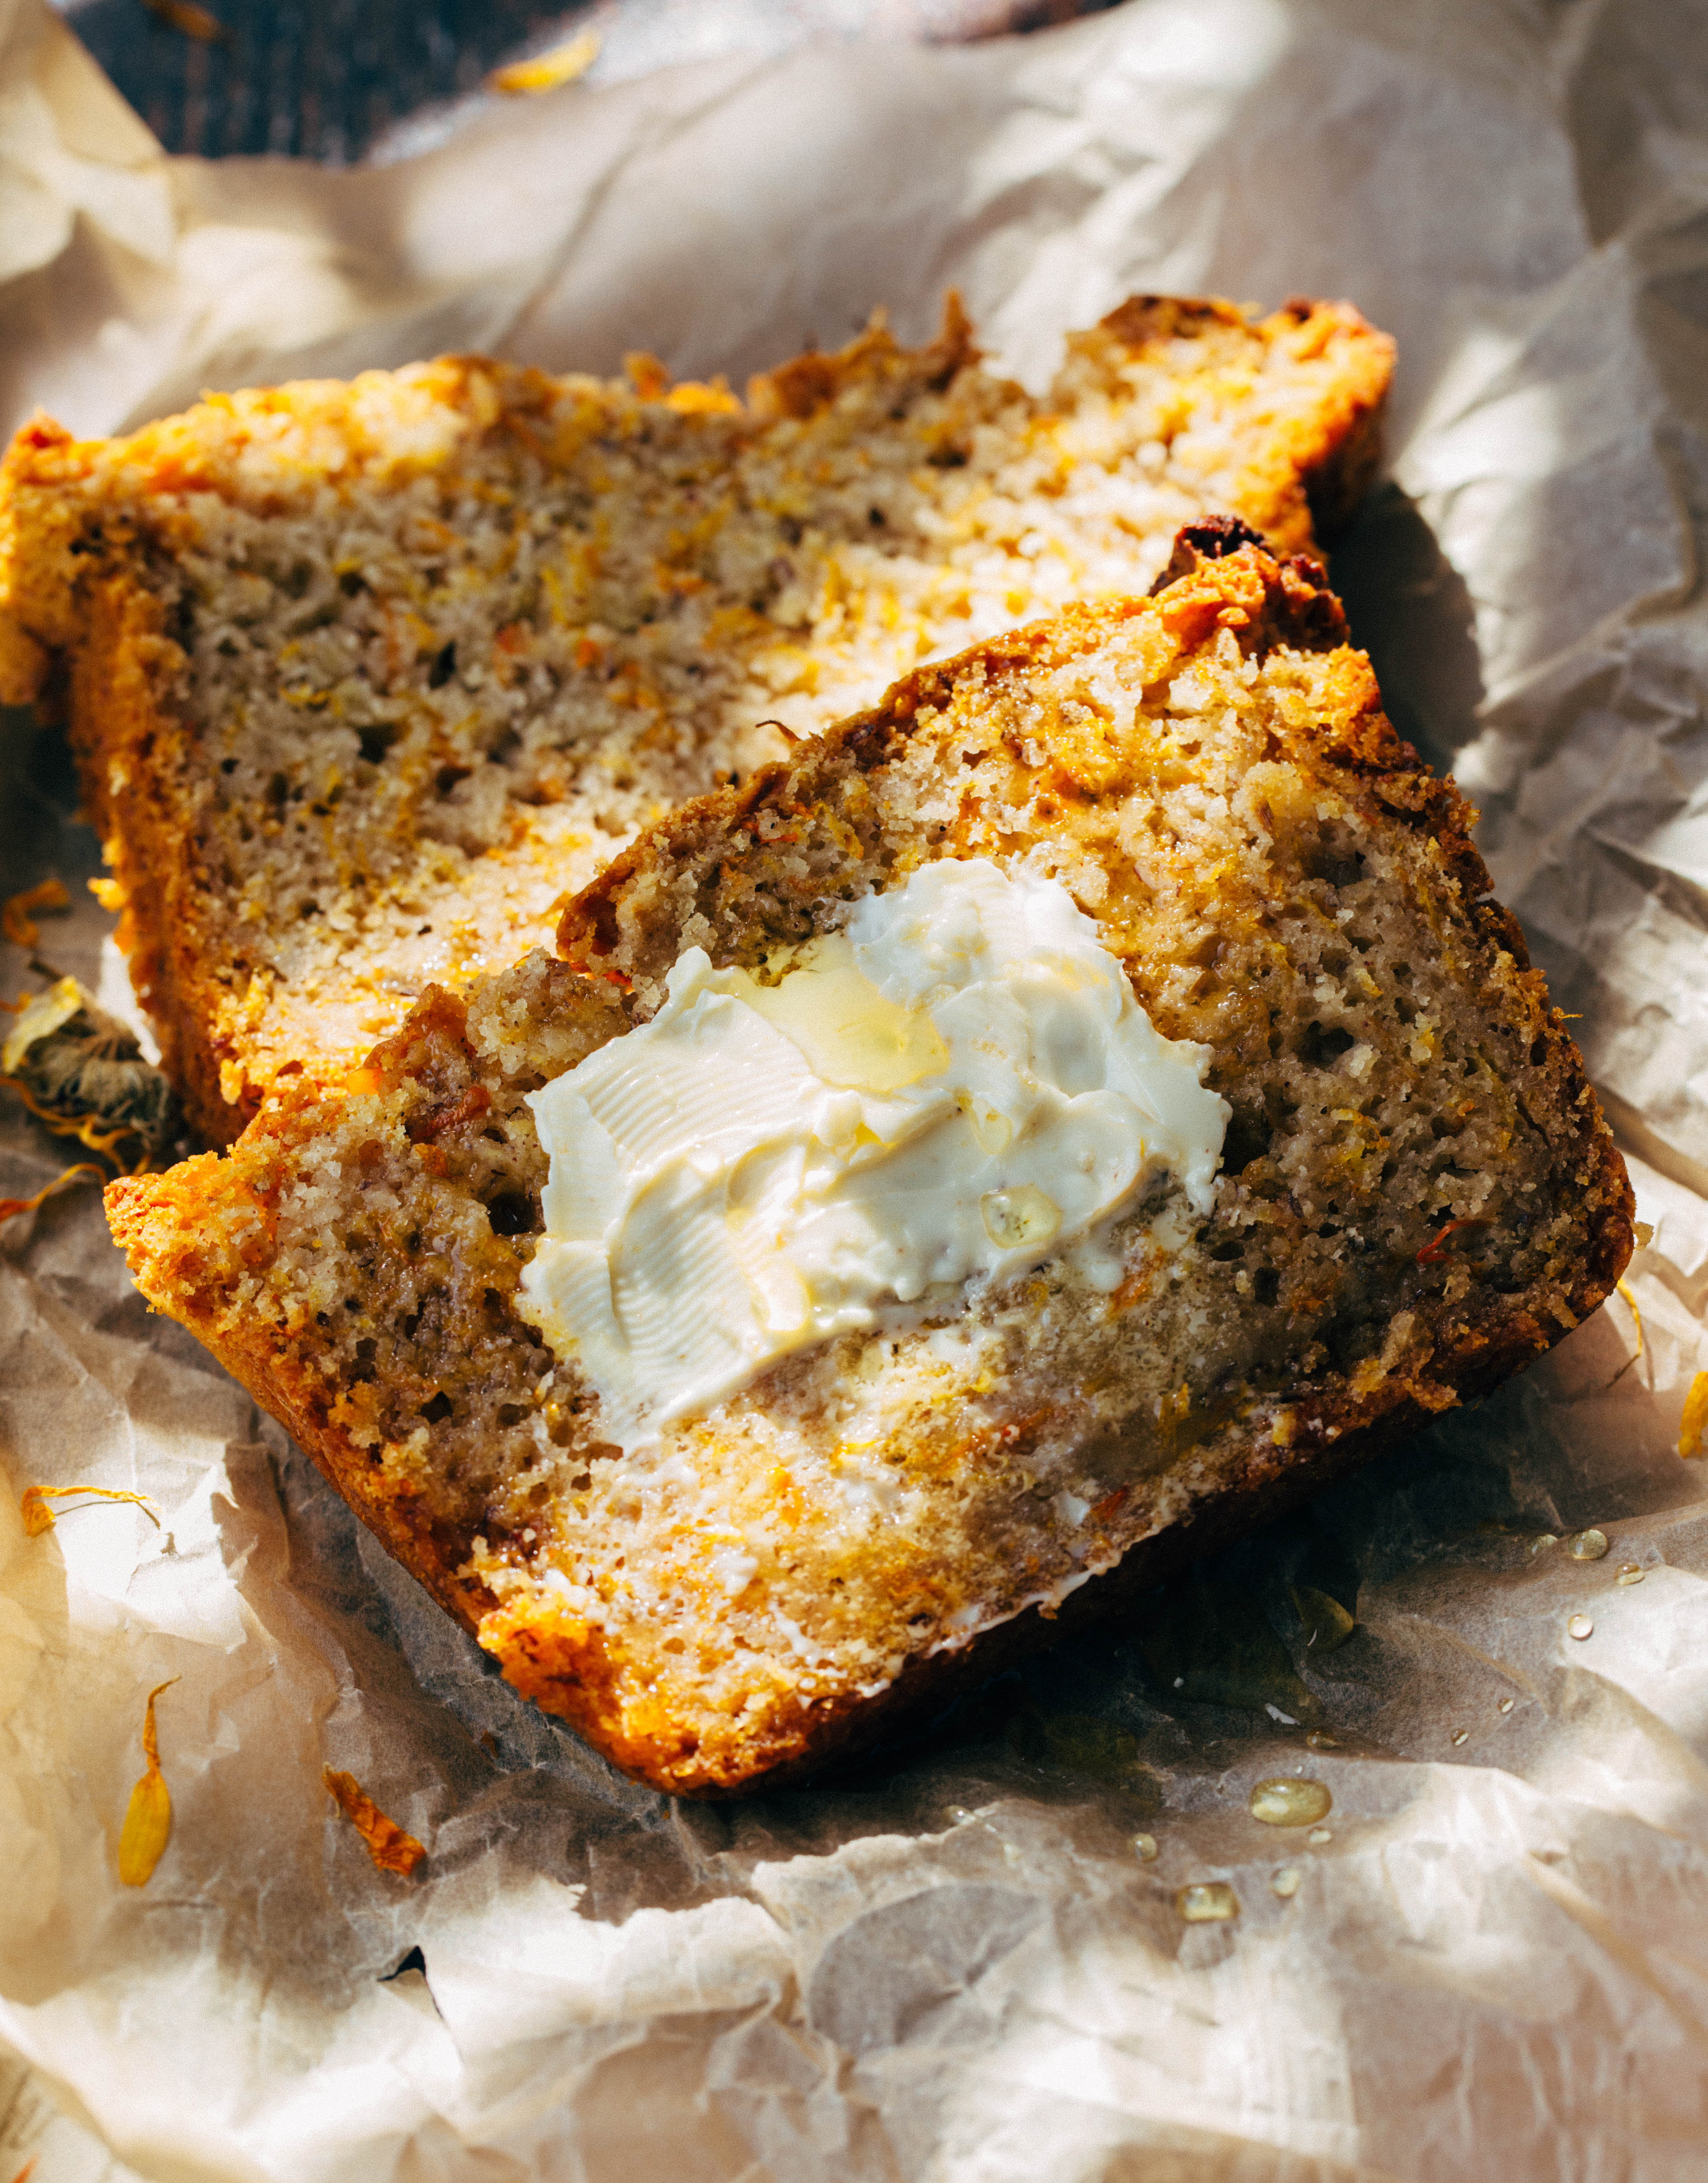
<point>1418,1194</point>
<point>365,678</point>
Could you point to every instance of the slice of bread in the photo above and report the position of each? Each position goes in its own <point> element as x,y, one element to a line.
<point>1417,1196</point>
<point>365,680</point>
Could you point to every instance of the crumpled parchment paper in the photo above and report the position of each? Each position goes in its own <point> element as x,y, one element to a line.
<point>956,1962</point>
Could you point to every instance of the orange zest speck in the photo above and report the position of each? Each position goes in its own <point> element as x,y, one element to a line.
<point>390,1847</point>
<point>17,924</point>
<point>38,1517</point>
<point>647,376</point>
<point>1694,1420</point>
<point>148,1818</point>
<point>1434,1250</point>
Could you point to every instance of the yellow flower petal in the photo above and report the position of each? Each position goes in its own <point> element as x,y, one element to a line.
<point>546,71</point>
<point>1637,1322</point>
<point>38,1517</point>
<point>148,1817</point>
<point>390,1847</point>
<point>1692,1424</point>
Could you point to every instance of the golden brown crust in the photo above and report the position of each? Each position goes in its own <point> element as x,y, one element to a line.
<point>761,860</point>
<point>1321,463</point>
<point>85,526</point>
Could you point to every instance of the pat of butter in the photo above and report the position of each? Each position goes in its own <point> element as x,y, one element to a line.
<point>956,1087</point>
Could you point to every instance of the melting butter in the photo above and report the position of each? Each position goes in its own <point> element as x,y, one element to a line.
<point>851,1034</point>
<point>954,1087</point>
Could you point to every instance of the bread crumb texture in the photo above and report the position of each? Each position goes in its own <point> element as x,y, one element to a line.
<point>1418,1196</point>
<point>366,679</point>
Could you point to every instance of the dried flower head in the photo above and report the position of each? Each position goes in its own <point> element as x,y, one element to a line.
<point>81,1071</point>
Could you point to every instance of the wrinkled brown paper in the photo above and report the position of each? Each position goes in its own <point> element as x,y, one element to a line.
<point>954,1963</point>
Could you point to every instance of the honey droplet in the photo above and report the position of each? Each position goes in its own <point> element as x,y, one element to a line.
<point>1206,1902</point>
<point>1319,1836</point>
<point>1285,1883</point>
<point>1460,1736</point>
<point>1587,1546</point>
<point>1580,1626</point>
<point>1014,1219</point>
<point>1144,1848</point>
<point>1628,1572</point>
<point>1320,1740</point>
<point>1542,1541</point>
<point>1284,1801</point>
<point>1506,1705</point>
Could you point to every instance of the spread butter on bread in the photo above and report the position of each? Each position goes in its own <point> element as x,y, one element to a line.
<point>1409,1191</point>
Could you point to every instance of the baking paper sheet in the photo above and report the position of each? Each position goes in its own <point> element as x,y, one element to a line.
<point>954,1963</point>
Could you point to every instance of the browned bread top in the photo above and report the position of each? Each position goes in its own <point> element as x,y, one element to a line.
<point>1417,1196</point>
<point>365,678</point>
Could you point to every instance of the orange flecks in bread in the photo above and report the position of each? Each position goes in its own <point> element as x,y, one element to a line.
<point>493,622</point>
<point>1435,1249</point>
<point>1283,882</point>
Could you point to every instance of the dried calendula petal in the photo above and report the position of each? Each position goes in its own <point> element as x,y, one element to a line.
<point>1637,1324</point>
<point>38,1015</point>
<point>11,1208</point>
<point>546,71</point>
<point>17,924</point>
<point>1691,1425</point>
<point>148,1818</point>
<point>390,1847</point>
<point>38,1517</point>
<point>189,21</point>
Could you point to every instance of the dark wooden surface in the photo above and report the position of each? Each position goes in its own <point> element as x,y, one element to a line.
<point>338,80</point>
